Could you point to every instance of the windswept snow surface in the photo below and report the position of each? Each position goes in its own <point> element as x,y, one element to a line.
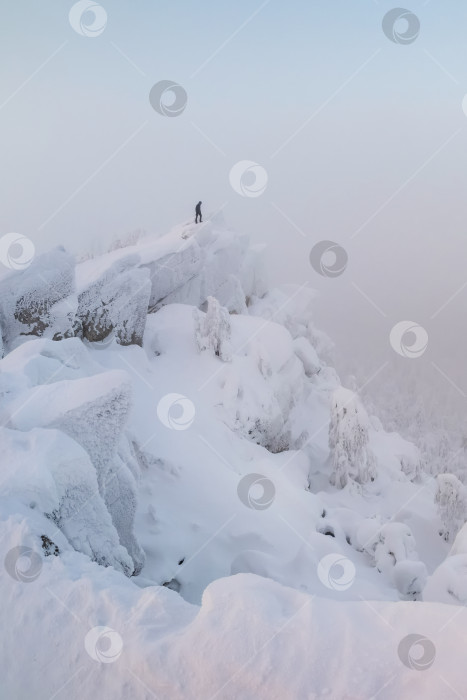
<point>201,461</point>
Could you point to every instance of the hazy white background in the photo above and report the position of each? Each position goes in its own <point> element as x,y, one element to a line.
<point>386,146</point>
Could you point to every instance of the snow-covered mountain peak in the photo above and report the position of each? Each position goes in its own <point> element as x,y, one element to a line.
<point>169,422</point>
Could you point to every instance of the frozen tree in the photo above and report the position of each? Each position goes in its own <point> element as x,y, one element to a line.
<point>431,420</point>
<point>436,447</point>
<point>412,468</point>
<point>212,330</point>
<point>451,498</point>
<point>351,458</point>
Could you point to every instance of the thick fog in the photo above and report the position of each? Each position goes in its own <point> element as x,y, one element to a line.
<point>359,133</point>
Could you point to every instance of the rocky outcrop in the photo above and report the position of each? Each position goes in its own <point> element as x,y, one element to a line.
<point>210,265</point>
<point>117,302</point>
<point>39,301</point>
<point>110,296</point>
<point>92,411</point>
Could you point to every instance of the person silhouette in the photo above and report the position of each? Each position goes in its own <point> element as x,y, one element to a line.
<point>198,212</point>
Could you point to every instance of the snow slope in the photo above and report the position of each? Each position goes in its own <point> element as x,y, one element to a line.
<point>202,461</point>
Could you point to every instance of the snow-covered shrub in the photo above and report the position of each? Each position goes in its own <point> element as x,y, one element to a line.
<point>262,384</point>
<point>411,466</point>
<point>451,499</point>
<point>213,331</point>
<point>393,552</point>
<point>262,423</point>
<point>394,543</point>
<point>410,578</point>
<point>436,447</point>
<point>350,456</point>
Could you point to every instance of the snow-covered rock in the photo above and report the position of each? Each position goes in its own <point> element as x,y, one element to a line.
<point>308,356</point>
<point>186,266</point>
<point>448,583</point>
<point>209,263</point>
<point>116,302</point>
<point>93,412</point>
<point>176,276</point>
<point>116,290</point>
<point>52,475</point>
<point>40,300</point>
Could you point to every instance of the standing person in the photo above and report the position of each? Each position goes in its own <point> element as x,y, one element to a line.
<point>198,212</point>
